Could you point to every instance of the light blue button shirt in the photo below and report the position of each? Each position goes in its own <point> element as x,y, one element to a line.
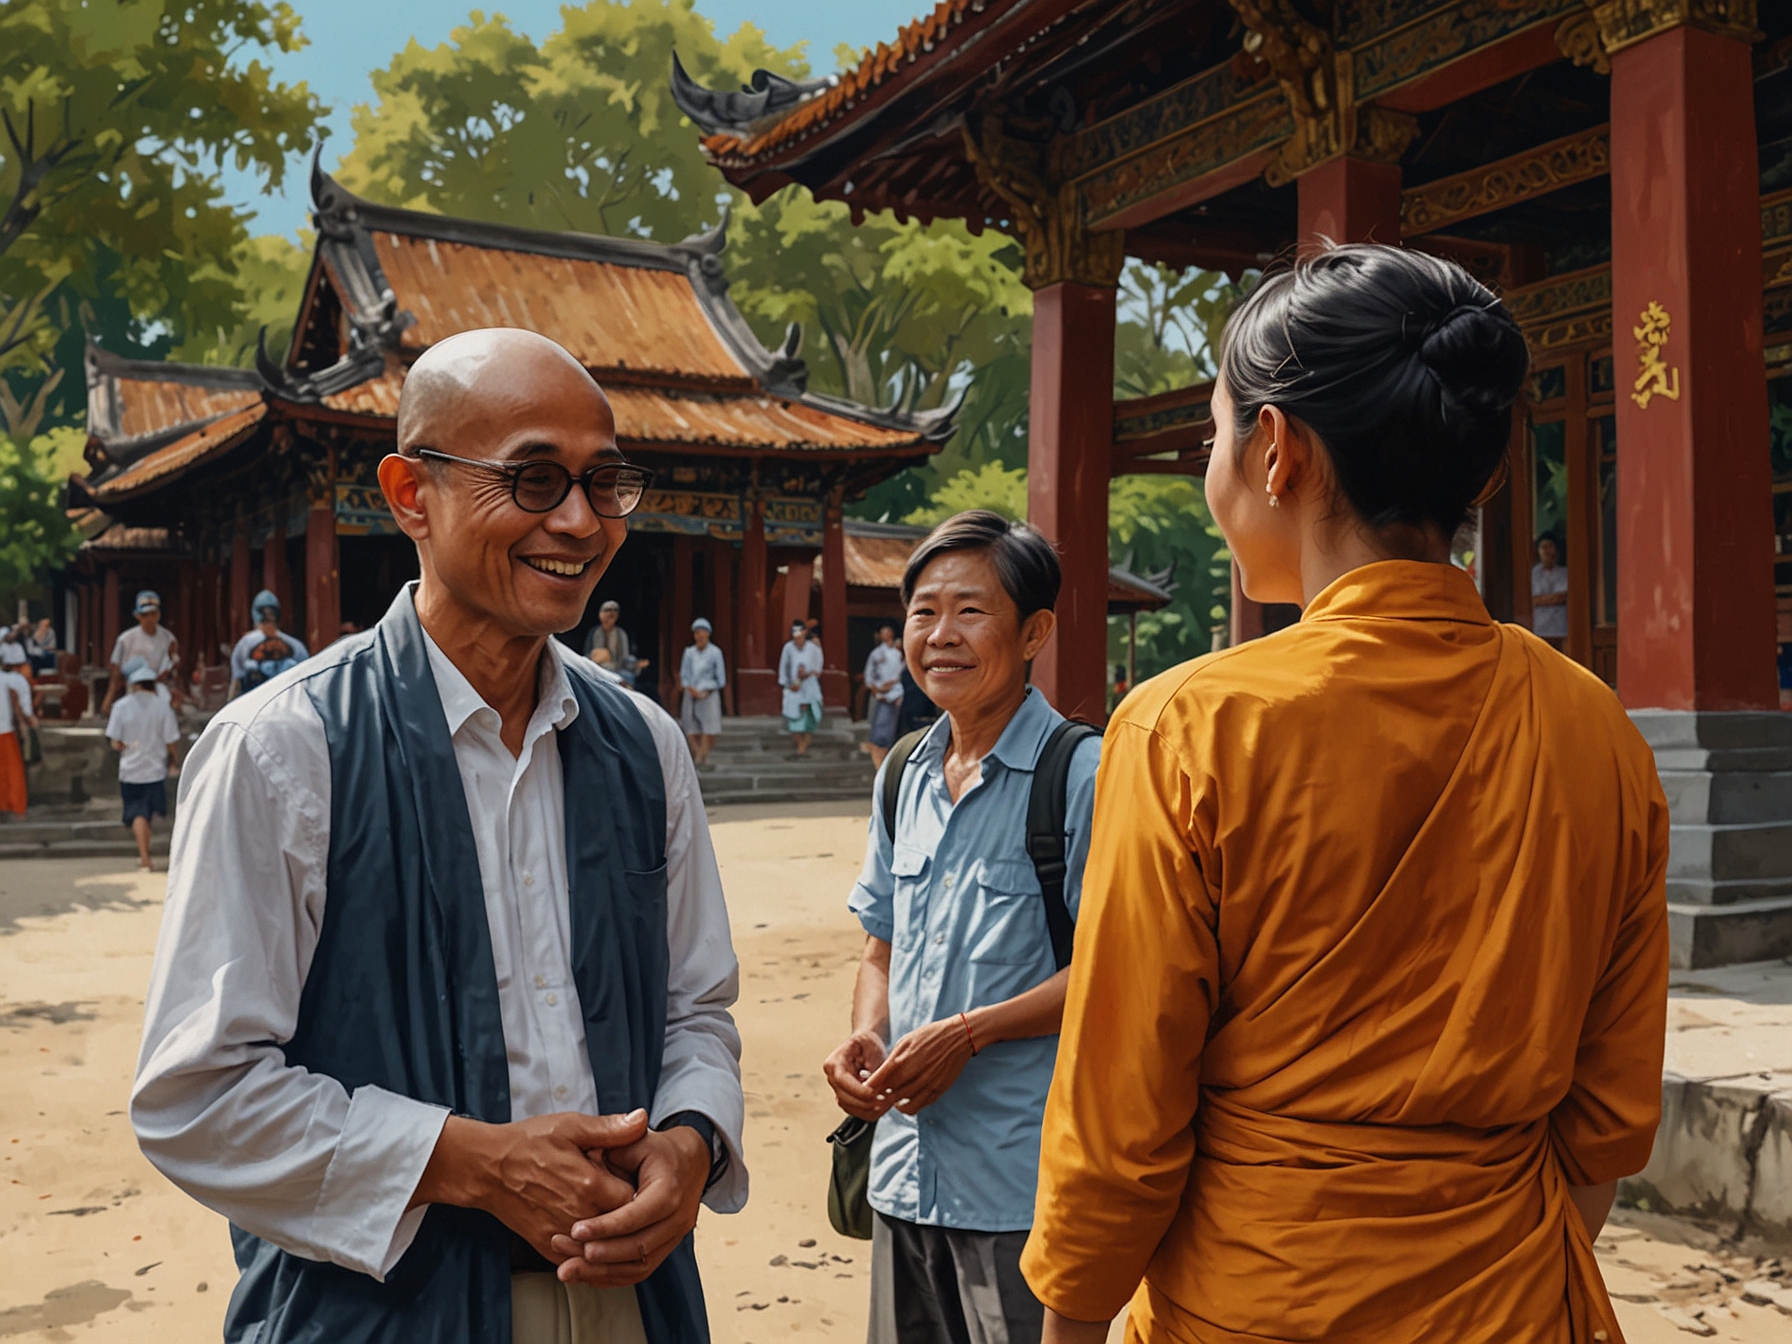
<point>959,903</point>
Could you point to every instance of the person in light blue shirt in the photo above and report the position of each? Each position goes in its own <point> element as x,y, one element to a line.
<point>701,676</point>
<point>959,996</point>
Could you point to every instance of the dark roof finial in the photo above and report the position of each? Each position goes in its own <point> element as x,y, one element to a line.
<point>766,99</point>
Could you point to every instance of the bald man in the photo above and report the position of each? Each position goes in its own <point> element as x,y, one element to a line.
<point>440,1010</point>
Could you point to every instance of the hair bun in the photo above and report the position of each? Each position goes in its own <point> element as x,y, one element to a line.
<point>1478,354</point>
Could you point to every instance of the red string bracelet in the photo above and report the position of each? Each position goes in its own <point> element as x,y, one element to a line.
<point>967,1032</point>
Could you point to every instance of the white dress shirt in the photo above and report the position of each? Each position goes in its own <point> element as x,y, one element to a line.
<point>288,1154</point>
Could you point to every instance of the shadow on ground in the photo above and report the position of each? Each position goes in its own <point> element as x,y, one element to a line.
<point>39,888</point>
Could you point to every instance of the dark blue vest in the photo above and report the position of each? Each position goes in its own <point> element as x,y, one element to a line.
<point>403,993</point>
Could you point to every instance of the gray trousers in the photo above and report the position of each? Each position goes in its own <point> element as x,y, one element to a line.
<point>941,1285</point>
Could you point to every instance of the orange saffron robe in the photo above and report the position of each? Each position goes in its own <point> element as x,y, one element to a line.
<point>1371,966</point>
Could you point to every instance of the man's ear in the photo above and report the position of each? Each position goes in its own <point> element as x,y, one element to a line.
<point>1034,631</point>
<point>401,479</point>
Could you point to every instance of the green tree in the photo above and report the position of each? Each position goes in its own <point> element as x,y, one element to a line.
<point>898,314</point>
<point>270,271</point>
<point>115,119</point>
<point>578,133</point>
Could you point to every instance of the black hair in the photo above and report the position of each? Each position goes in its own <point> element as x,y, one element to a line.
<point>1025,561</point>
<point>1404,365</point>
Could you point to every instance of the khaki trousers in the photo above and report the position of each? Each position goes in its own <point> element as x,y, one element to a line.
<point>545,1311</point>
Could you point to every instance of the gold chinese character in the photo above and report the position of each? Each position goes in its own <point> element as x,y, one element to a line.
<point>1654,378</point>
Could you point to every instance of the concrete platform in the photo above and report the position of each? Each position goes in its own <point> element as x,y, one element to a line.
<point>1723,1155</point>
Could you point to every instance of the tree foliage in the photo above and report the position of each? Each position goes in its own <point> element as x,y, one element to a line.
<point>115,119</point>
<point>578,133</point>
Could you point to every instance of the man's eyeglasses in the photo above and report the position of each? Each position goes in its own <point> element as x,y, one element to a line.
<point>614,488</point>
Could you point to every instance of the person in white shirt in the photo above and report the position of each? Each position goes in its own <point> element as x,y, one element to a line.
<point>17,712</point>
<point>440,1011</point>
<point>883,678</point>
<point>799,674</point>
<point>149,640</point>
<point>701,676</point>
<point>143,730</point>
<point>1549,593</point>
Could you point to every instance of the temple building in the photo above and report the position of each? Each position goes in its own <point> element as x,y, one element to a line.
<point>1619,170</point>
<point>209,484</point>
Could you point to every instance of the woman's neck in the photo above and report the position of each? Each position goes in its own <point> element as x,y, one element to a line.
<point>1333,552</point>
<point>977,729</point>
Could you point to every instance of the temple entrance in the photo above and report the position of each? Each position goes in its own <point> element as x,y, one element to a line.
<point>1566,490</point>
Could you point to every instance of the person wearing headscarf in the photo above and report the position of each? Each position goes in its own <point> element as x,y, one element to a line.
<point>799,675</point>
<point>702,674</point>
<point>267,650</point>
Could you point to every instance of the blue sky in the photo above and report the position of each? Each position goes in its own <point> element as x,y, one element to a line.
<point>350,38</point>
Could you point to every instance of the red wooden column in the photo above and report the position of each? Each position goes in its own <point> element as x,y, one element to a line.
<point>836,680</point>
<point>109,617</point>
<point>721,583</point>
<point>679,620</point>
<point>323,592</point>
<point>1695,521</point>
<point>1071,429</point>
<point>273,566</point>
<point>186,620</point>
<point>756,684</point>
<point>1350,200</point>
<point>239,580</point>
<point>799,580</point>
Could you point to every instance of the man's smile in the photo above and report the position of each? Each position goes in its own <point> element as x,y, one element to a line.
<point>546,565</point>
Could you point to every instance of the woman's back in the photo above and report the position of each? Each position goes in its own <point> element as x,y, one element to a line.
<point>1371,901</point>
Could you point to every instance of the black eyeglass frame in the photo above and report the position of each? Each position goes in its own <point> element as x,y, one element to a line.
<point>514,470</point>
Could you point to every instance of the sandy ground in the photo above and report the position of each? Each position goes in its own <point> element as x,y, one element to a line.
<point>95,1245</point>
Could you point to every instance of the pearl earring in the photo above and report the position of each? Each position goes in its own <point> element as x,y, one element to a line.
<point>1275,501</point>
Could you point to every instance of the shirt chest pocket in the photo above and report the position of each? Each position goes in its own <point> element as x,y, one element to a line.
<point>909,865</point>
<point>1010,925</point>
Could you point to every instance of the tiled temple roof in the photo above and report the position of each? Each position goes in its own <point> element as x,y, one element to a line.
<point>652,321</point>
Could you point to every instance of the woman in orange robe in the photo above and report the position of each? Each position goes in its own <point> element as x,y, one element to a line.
<point>1367,1009</point>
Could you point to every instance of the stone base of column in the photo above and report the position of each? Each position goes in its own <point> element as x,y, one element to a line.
<point>1728,780</point>
<point>756,691</point>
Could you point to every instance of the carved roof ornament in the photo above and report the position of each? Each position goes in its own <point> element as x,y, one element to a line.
<point>1577,38</point>
<point>1016,166</point>
<point>1315,79</point>
<point>1623,23</point>
<point>761,104</point>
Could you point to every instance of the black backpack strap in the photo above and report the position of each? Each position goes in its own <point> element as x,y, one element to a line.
<point>1047,805</point>
<point>894,764</point>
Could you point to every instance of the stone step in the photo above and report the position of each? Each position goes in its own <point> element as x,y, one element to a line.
<point>1702,797</point>
<point>1725,854</point>
<point>1701,936</point>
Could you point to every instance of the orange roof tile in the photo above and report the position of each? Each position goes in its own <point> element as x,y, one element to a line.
<point>609,316</point>
<point>874,68</point>
<point>876,562</point>
<point>153,404</point>
<point>649,416</point>
<point>186,451</point>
